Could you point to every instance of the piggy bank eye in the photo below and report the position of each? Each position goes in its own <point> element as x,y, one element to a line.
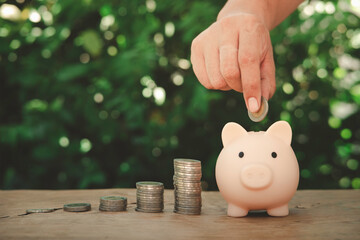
<point>274,154</point>
<point>241,154</point>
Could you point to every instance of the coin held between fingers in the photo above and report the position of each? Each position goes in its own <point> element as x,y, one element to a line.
<point>261,113</point>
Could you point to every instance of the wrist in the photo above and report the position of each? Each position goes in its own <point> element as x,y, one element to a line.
<point>259,8</point>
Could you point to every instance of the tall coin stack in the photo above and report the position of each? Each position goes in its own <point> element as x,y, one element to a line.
<point>113,204</point>
<point>149,197</point>
<point>187,186</point>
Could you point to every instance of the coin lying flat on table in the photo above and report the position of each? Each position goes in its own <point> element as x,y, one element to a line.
<point>40,210</point>
<point>261,114</point>
<point>77,207</point>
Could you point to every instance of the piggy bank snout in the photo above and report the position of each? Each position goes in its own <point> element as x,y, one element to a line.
<point>256,176</point>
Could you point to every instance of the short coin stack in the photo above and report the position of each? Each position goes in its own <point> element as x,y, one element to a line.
<point>77,207</point>
<point>113,204</point>
<point>149,197</point>
<point>187,185</point>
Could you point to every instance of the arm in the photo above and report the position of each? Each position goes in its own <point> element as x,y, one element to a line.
<point>236,53</point>
<point>272,12</point>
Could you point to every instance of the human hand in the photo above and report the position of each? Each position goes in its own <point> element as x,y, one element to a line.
<point>236,53</point>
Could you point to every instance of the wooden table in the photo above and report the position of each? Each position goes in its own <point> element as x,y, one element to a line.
<point>316,214</point>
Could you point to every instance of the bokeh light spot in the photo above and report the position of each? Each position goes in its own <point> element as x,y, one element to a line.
<point>34,16</point>
<point>46,53</point>
<point>156,152</point>
<point>288,88</point>
<point>124,167</point>
<point>184,64</point>
<point>159,95</point>
<point>322,73</point>
<point>346,133</point>
<point>169,29</point>
<point>334,122</point>
<point>98,97</point>
<point>355,183</point>
<point>344,182</point>
<point>15,44</point>
<point>103,114</point>
<point>352,164</point>
<point>150,5</point>
<point>121,41</point>
<point>329,8</point>
<point>305,173</point>
<point>313,94</point>
<point>85,145</point>
<point>10,12</point>
<point>158,39</point>
<point>64,141</point>
<point>325,169</point>
<point>112,51</point>
<point>147,92</point>
<point>84,58</point>
<point>163,61</point>
<point>177,79</point>
<point>285,116</point>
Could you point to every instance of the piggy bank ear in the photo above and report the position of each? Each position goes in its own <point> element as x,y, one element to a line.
<point>282,130</point>
<point>231,131</point>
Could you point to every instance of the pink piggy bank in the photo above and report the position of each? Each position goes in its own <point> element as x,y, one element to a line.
<point>257,170</point>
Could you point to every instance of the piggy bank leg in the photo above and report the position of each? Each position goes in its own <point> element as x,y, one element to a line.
<point>235,211</point>
<point>279,211</point>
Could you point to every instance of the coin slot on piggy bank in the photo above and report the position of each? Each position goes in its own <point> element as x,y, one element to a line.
<point>257,170</point>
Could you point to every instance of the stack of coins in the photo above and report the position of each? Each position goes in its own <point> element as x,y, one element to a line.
<point>149,197</point>
<point>77,207</point>
<point>187,185</point>
<point>113,204</point>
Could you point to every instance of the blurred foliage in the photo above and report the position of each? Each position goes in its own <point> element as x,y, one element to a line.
<point>98,94</point>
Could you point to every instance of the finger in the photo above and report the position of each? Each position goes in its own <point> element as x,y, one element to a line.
<point>229,65</point>
<point>198,63</point>
<point>226,88</point>
<point>212,63</point>
<point>249,61</point>
<point>267,70</point>
<point>265,88</point>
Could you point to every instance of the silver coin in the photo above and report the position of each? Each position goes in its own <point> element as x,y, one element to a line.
<point>156,193</point>
<point>150,184</point>
<point>113,198</point>
<point>40,210</point>
<point>112,209</point>
<point>261,114</point>
<point>113,204</point>
<point>188,175</point>
<point>186,163</point>
<point>187,211</point>
<point>188,191</point>
<point>148,210</point>
<point>77,207</point>
<point>187,168</point>
<point>185,185</point>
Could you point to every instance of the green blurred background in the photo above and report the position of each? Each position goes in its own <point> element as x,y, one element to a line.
<point>101,94</point>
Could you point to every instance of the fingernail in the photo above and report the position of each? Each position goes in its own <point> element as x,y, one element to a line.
<point>253,105</point>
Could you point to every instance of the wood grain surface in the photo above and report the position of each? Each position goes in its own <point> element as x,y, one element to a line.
<point>314,214</point>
